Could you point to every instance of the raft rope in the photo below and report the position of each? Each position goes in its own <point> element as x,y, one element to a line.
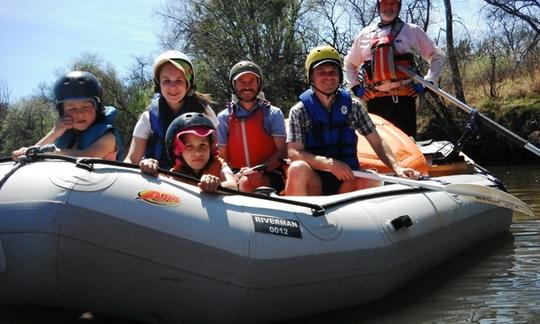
<point>88,164</point>
<point>18,164</point>
<point>29,156</point>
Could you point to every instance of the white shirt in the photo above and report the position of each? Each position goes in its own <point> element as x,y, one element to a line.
<point>411,39</point>
<point>143,128</point>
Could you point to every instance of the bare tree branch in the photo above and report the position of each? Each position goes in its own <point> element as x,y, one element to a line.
<point>452,58</point>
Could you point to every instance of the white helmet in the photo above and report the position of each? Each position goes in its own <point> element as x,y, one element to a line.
<point>179,60</point>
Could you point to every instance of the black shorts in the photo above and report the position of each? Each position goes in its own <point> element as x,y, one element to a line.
<point>329,183</point>
<point>277,180</point>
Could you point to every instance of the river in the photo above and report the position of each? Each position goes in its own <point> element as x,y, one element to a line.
<point>495,282</point>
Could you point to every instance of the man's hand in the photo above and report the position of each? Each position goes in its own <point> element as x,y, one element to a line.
<point>419,88</point>
<point>256,178</point>
<point>407,173</point>
<point>339,169</point>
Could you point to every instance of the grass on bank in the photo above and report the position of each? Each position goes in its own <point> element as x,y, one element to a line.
<point>516,108</point>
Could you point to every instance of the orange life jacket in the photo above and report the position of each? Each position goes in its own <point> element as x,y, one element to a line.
<point>382,65</point>
<point>404,148</point>
<point>214,168</point>
<point>249,144</point>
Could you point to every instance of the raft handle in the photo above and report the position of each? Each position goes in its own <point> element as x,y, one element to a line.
<point>85,163</point>
<point>401,222</point>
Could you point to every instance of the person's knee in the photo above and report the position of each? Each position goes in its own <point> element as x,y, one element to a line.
<point>298,169</point>
<point>302,180</point>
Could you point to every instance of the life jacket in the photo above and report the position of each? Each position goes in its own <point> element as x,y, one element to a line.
<point>85,139</point>
<point>249,144</point>
<point>330,134</point>
<point>213,167</point>
<point>382,65</point>
<point>160,118</point>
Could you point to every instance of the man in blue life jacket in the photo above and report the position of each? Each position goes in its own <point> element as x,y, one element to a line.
<point>84,126</point>
<point>322,139</point>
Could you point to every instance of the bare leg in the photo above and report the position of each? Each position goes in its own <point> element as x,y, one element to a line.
<point>358,184</point>
<point>302,180</point>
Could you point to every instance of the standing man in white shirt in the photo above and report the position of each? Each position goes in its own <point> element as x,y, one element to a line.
<point>371,66</point>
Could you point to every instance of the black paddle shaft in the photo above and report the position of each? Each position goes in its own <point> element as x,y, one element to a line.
<point>488,121</point>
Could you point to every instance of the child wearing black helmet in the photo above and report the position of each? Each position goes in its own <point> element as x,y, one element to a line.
<point>84,125</point>
<point>191,147</point>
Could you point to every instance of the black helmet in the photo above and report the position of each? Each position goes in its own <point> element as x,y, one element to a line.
<point>78,85</point>
<point>245,67</point>
<point>195,123</point>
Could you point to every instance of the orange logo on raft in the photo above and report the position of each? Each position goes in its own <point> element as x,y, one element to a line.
<point>159,198</point>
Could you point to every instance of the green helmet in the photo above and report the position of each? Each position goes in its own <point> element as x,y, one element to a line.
<point>244,67</point>
<point>320,55</point>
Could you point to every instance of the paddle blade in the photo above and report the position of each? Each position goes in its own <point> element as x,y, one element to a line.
<point>490,196</point>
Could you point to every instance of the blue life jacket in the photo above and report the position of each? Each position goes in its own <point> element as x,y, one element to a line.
<point>85,139</point>
<point>330,134</point>
<point>160,118</point>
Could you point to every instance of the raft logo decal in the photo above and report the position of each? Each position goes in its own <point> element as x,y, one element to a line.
<point>277,226</point>
<point>158,198</point>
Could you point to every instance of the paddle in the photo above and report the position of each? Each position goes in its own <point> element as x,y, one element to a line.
<point>489,122</point>
<point>251,170</point>
<point>472,191</point>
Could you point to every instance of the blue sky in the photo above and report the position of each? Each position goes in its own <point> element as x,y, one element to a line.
<point>40,37</point>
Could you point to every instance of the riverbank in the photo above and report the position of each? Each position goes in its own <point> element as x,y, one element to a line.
<point>519,115</point>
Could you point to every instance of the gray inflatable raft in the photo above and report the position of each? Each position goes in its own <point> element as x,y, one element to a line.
<point>103,237</point>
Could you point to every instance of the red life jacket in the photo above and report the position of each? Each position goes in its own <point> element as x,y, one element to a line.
<point>249,144</point>
<point>382,66</point>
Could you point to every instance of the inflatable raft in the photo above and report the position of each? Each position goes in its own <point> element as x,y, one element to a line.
<point>99,236</point>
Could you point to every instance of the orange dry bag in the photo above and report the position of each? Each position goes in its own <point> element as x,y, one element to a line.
<point>404,148</point>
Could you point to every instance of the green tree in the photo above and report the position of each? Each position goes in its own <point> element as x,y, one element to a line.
<point>4,104</point>
<point>218,33</point>
<point>25,123</point>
